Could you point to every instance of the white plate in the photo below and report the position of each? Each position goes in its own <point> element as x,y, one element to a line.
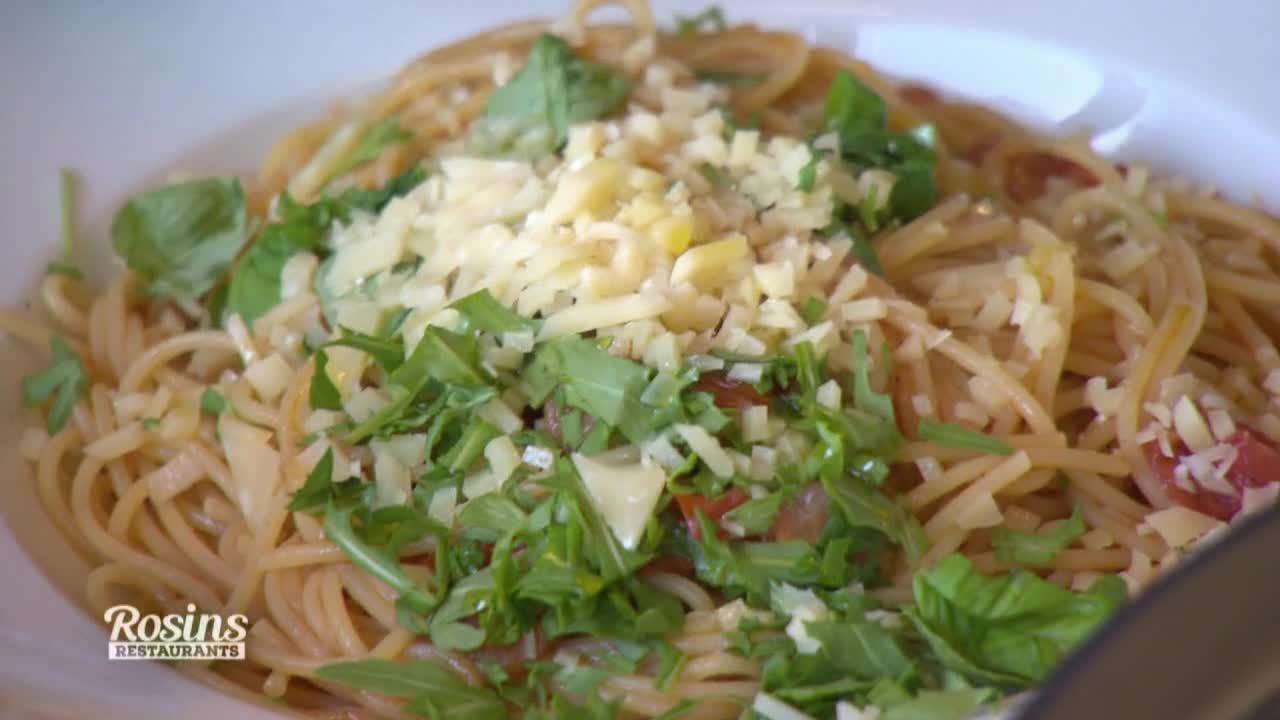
<point>126,91</point>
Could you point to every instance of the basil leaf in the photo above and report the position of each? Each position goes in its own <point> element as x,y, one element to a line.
<point>1009,630</point>
<point>1037,548</point>
<point>324,394</point>
<point>483,312</point>
<point>66,381</point>
<point>531,114</point>
<point>182,238</point>
<point>436,691</point>
<point>956,436</point>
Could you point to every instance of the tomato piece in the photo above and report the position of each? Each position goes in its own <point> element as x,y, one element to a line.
<point>1027,174</point>
<point>691,503</point>
<point>917,94</point>
<point>805,517</point>
<point>1257,464</point>
<point>729,393</point>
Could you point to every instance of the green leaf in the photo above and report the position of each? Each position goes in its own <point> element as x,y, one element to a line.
<point>70,226</point>
<point>65,380</point>
<point>807,178</point>
<point>593,380</point>
<point>670,663</point>
<point>914,193</point>
<point>860,649</point>
<point>1009,630</point>
<point>255,283</point>
<point>317,490</point>
<point>444,356</point>
<point>853,109</point>
<point>490,517</point>
<point>1037,548</point>
<point>389,354</point>
<point>436,691</point>
<point>483,312</point>
<point>182,238</point>
<point>324,394</point>
<point>866,399</point>
<point>377,561</point>
<point>949,435</point>
<point>942,705</point>
<point>710,19</point>
<point>377,137</point>
<point>457,636</point>
<point>756,516</point>
<point>212,401</point>
<point>864,506</point>
<point>813,310</point>
<point>531,114</point>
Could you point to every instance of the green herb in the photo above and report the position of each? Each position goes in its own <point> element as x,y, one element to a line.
<point>756,516</point>
<point>318,489</point>
<point>956,704</point>
<point>324,394</point>
<point>861,649</point>
<point>388,353</point>
<point>1009,630</point>
<point>813,310</point>
<point>593,380</point>
<point>807,178</point>
<point>255,284</point>
<point>70,229</point>
<point>714,175</point>
<point>863,251</point>
<point>860,117</point>
<point>182,238</point>
<point>483,312</point>
<point>65,381</point>
<point>1037,548</point>
<point>710,19</point>
<point>531,114</point>
<point>864,506</point>
<point>491,516</point>
<point>729,77</point>
<point>670,663</point>
<point>150,423</point>
<point>864,397</point>
<point>378,561</point>
<point>436,692</point>
<point>377,137</point>
<point>955,436</point>
<point>212,401</point>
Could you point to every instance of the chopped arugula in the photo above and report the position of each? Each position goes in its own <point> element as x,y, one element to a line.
<point>254,287</point>
<point>949,435</point>
<point>530,115</point>
<point>212,401</point>
<point>324,394</point>
<point>182,238</point>
<point>1037,548</point>
<point>437,692</point>
<point>483,312</point>
<point>592,380</point>
<point>66,381</point>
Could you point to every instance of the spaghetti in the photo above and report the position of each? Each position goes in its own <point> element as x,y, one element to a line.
<point>1080,355</point>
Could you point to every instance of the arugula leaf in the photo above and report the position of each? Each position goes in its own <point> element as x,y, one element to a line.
<point>593,380</point>
<point>377,561</point>
<point>956,436</point>
<point>436,691</point>
<point>317,490</point>
<point>212,401</point>
<point>756,516</point>
<point>1037,548</point>
<point>255,282</point>
<point>182,238</point>
<point>1009,630</point>
<point>66,381</point>
<point>864,506</point>
<point>866,399</point>
<point>377,137</point>
<point>491,516</point>
<point>67,193</point>
<point>861,649</point>
<point>531,114</point>
<point>915,191</point>
<point>324,394</point>
<point>813,310</point>
<point>807,178</point>
<point>670,663</point>
<point>853,109</point>
<point>389,354</point>
<point>957,704</point>
<point>483,312</point>
<point>710,19</point>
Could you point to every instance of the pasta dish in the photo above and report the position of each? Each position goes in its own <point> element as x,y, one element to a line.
<point>635,370</point>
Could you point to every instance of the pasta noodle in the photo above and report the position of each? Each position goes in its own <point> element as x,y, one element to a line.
<point>1115,335</point>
